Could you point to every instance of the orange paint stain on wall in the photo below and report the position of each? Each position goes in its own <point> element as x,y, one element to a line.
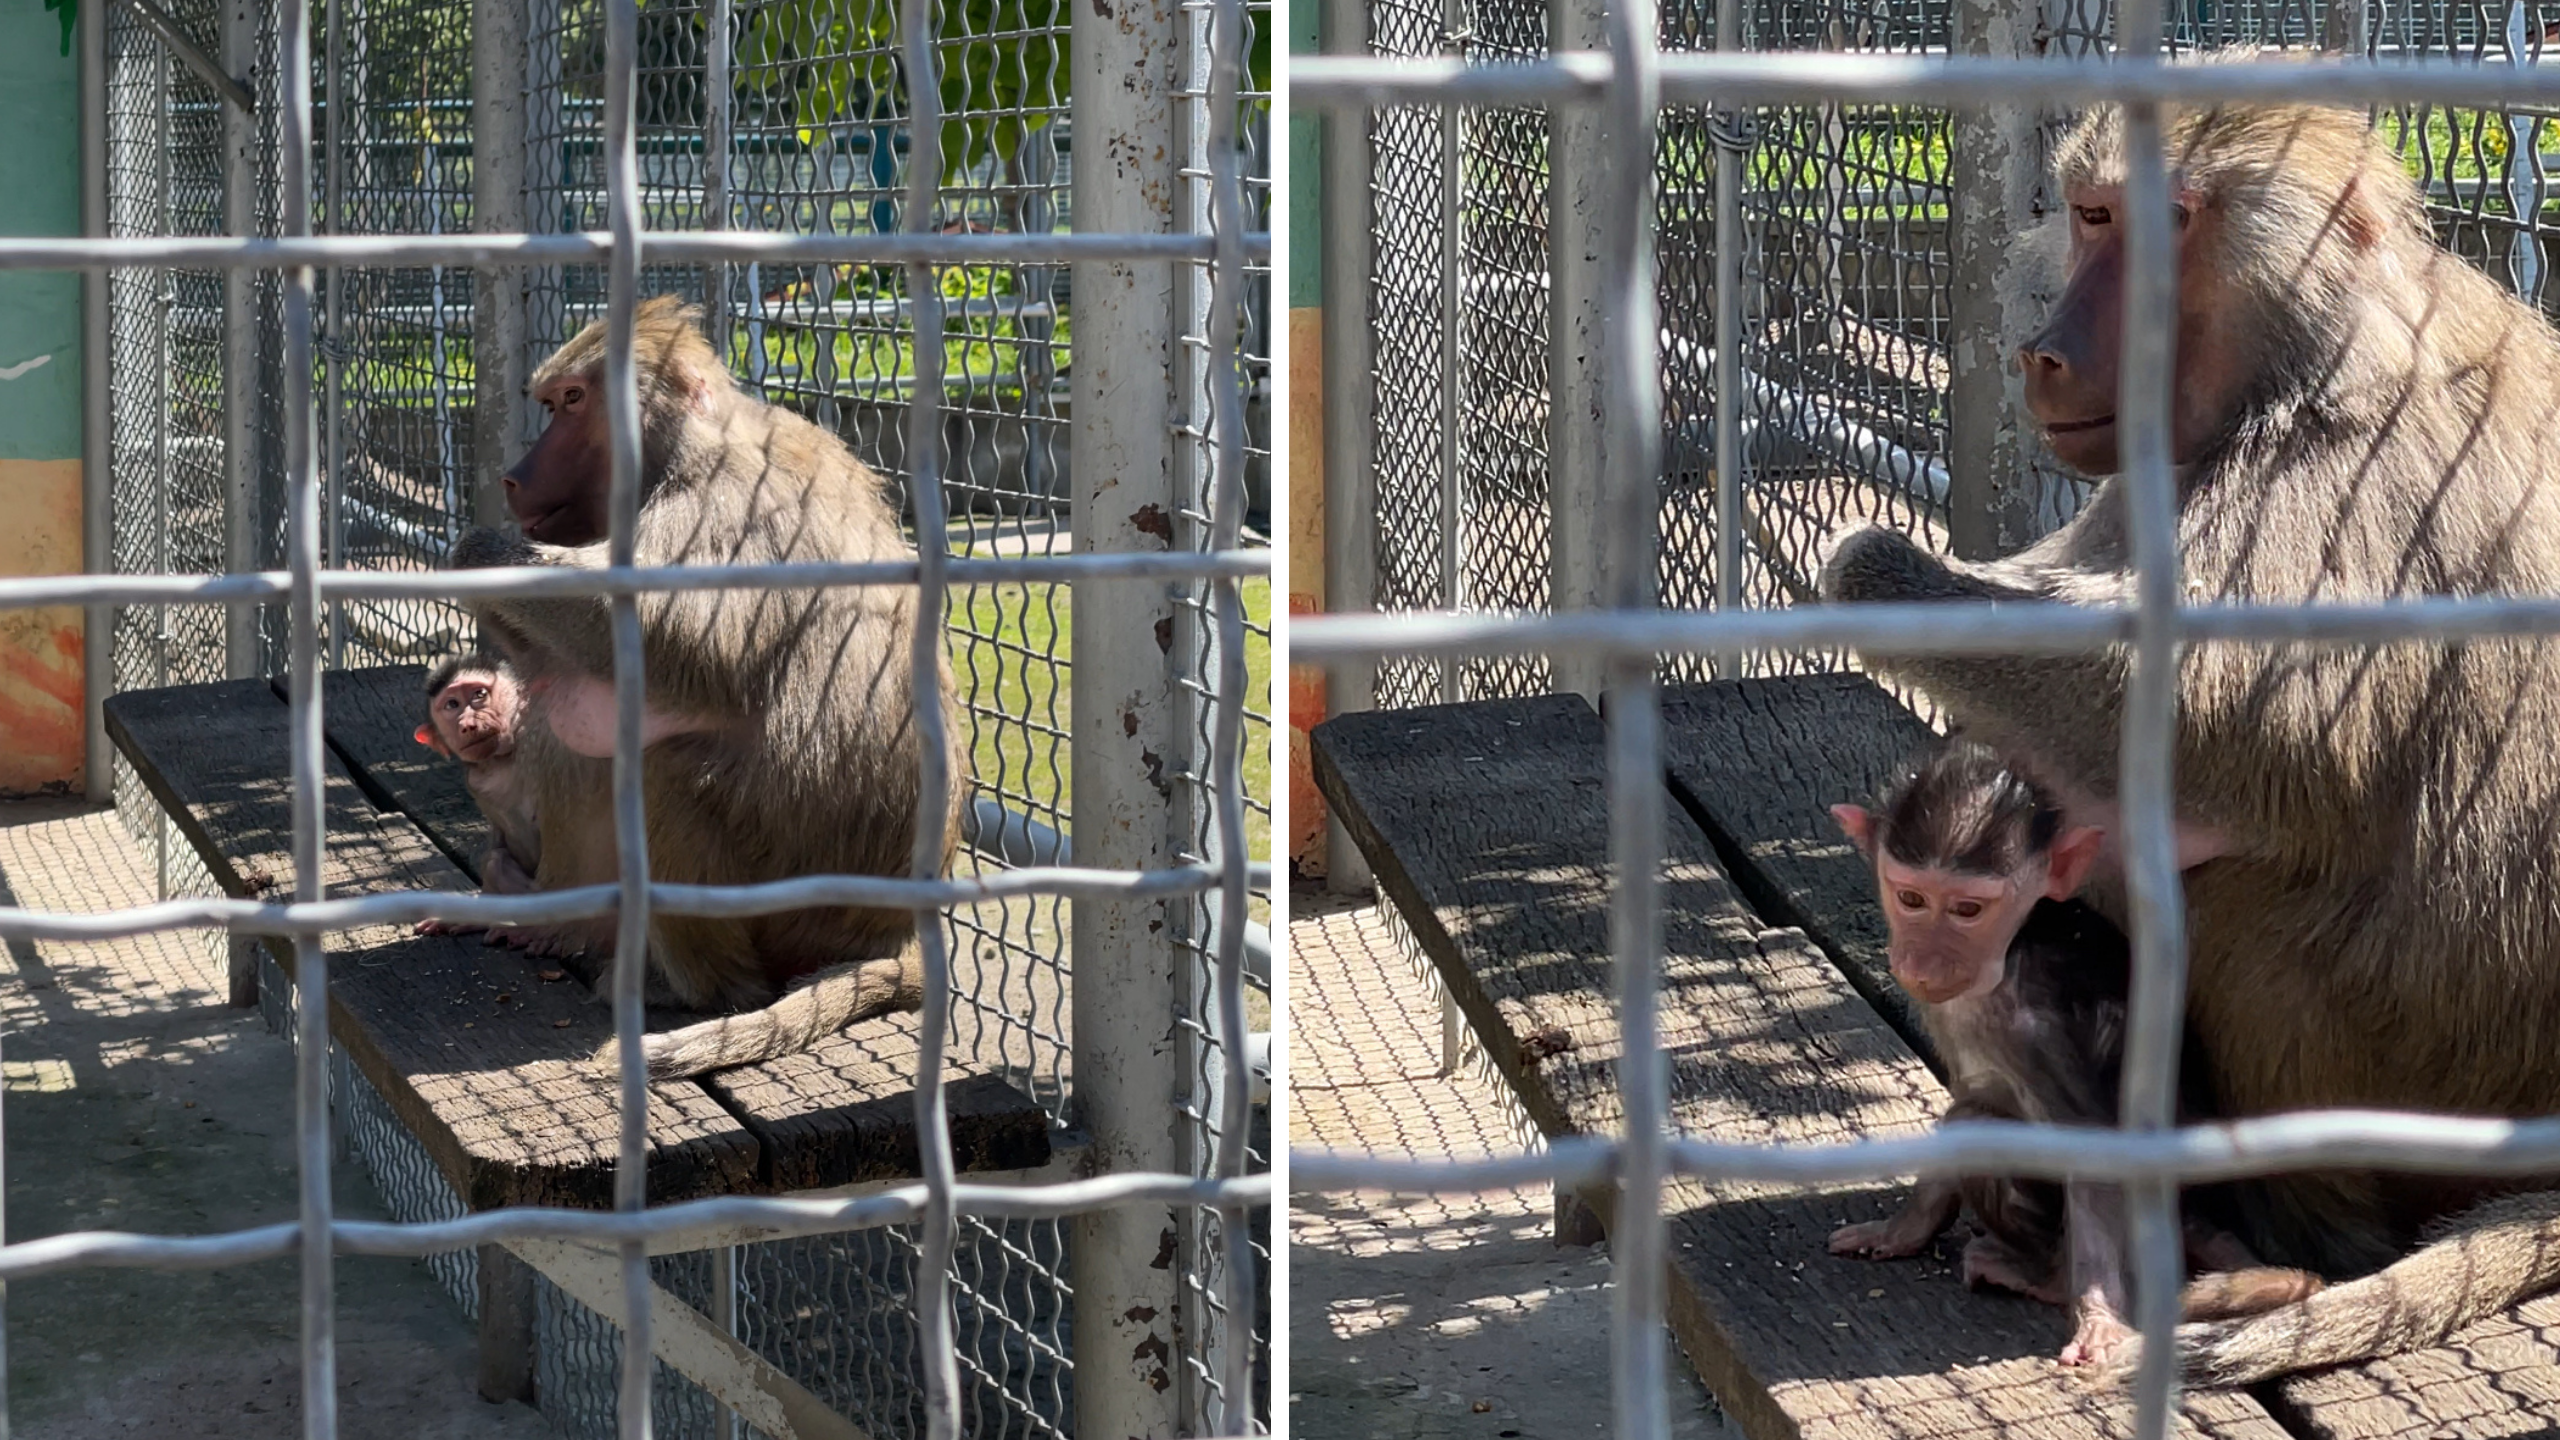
<point>41,651</point>
<point>1306,578</point>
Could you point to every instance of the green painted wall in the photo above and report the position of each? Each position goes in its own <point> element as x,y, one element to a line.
<point>1306,172</point>
<point>39,195</point>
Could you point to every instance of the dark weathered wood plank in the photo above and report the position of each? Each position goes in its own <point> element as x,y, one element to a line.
<point>1487,826</point>
<point>485,1062</point>
<point>1775,755</point>
<point>846,1111</point>
<point>1759,762</point>
<point>842,1114</point>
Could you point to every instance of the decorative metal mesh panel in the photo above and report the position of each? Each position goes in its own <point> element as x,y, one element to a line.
<point>815,142</point>
<point>1846,306</point>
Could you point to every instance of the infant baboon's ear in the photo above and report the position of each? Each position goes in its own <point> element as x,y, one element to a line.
<point>1859,824</point>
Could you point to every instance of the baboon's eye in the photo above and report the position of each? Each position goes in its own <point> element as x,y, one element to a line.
<point>1910,900</point>
<point>1965,909</point>
<point>2096,215</point>
<point>572,395</point>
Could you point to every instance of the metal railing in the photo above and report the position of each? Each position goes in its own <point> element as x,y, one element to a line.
<point>1627,82</point>
<point>1217,565</point>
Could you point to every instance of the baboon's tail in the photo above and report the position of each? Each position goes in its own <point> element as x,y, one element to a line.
<point>816,1008</point>
<point>2481,1262</point>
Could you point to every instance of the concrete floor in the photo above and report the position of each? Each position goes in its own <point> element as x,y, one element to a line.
<point>137,1101</point>
<point>1438,1318</point>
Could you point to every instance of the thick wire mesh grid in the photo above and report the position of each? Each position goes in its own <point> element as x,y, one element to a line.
<point>398,402</point>
<point>1630,83</point>
<point>392,375</point>
<point>1200,646</point>
<point>1846,313</point>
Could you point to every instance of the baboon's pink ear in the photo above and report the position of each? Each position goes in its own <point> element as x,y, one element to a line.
<point>427,736</point>
<point>2075,852</point>
<point>1859,824</point>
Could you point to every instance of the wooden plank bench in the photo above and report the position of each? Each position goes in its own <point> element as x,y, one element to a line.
<point>1487,827</point>
<point>484,1060</point>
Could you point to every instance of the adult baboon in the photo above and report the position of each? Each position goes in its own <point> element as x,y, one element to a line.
<point>781,737</point>
<point>2372,918</point>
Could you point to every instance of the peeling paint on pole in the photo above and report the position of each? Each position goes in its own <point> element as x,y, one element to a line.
<point>1125,991</point>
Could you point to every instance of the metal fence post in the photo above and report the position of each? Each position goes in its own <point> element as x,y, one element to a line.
<point>240,550</point>
<point>1577,396</point>
<point>1350,396</point>
<point>1997,160</point>
<point>498,340</point>
<point>1127,718</point>
<point>97,444</point>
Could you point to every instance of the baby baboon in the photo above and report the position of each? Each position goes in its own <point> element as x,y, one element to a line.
<point>2024,990</point>
<point>2358,416</point>
<point>781,737</point>
<point>475,710</point>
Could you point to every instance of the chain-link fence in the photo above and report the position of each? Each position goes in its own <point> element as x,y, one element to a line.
<point>1853,317</point>
<point>783,117</point>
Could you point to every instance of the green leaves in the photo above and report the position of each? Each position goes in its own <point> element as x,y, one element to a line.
<point>1003,67</point>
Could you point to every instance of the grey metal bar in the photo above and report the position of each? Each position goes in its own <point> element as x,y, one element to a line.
<point>1226,397</point>
<point>249,917</point>
<point>2157,898</point>
<point>161,23</point>
<point>1987,486</point>
<point>724,1296</point>
<point>97,435</point>
<point>414,585</point>
<point>500,322</point>
<point>764,1217</point>
<point>1955,628</point>
<point>1350,399</point>
<point>310,816</point>
<point>1731,150</point>
<point>333,453</point>
<point>656,247</point>
<point>240,548</point>
<point>937,1234</point>
<point>1628,373</point>
<point>1452,362</point>
<point>717,98</point>
<point>1957,82</point>
<point>630,822</point>
<point>1578,347</point>
<point>1123,460</point>
<point>2400,1141</point>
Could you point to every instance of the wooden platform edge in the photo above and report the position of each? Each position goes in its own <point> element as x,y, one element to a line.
<point>462,1170</point>
<point>994,1125</point>
<point>1397,886</point>
<point>481,1182</point>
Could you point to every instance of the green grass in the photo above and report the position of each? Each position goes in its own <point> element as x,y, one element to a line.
<point>1803,153</point>
<point>1001,641</point>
